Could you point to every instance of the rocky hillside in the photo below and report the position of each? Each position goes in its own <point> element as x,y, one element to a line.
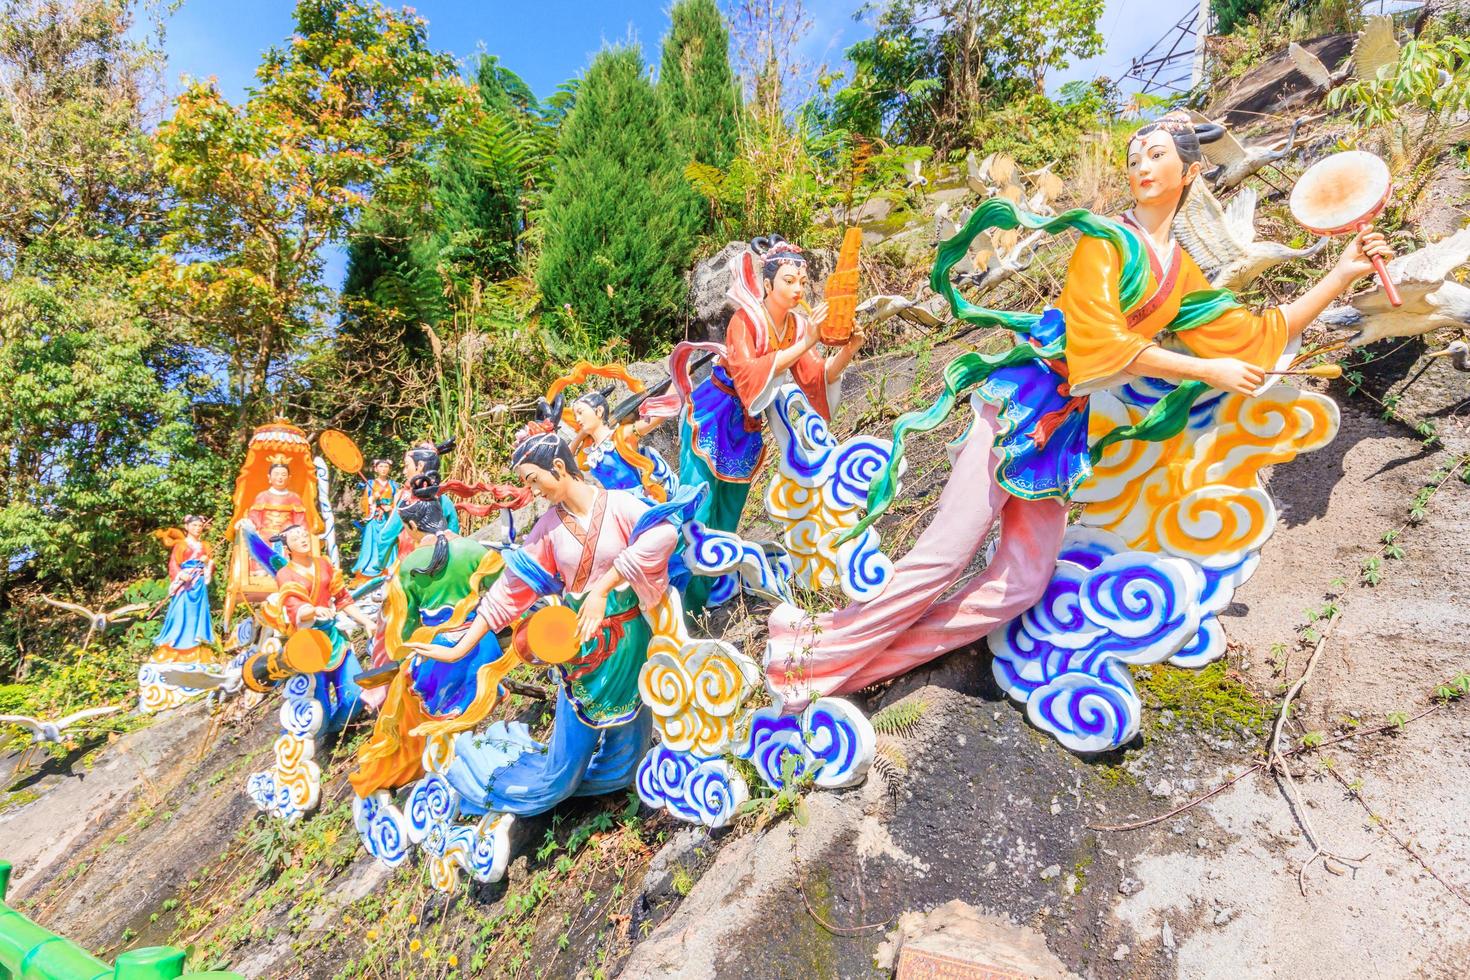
<point>1177,856</point>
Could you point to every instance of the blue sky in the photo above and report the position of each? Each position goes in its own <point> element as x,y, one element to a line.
<point>548,41</point>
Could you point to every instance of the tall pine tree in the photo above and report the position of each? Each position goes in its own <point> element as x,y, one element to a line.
<point>697,87</point>
<point>615,249</point>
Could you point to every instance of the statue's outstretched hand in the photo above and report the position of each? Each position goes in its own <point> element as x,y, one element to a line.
<point>1356,260</point>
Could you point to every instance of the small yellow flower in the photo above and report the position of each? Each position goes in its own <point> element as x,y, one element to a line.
<point>453,960</point>
<point>413,920</point>
<point>372,934</point>
<point>413,945</point>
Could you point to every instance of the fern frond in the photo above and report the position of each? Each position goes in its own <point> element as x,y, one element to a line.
<point>707,180</point>
<point>891,765</point>
<point>900,719</point>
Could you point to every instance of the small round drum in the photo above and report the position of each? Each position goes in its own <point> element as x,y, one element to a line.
<point>308,651</point>
<point>1343,193</point>
<point>549,635</point>
<point>338,447</point>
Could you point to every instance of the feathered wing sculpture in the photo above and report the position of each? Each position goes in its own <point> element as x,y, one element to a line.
<point>1431,299</point>
<point>1311,66</point>
<point>885,306</point>
<point>50,731</point>
<point>1376,47</point>
<point>1223,239</point>
<point>1433,262</point>
<point>97,620</point>
<point>1223,152</point>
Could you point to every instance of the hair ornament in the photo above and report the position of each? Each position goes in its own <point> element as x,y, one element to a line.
<point>768,247</point>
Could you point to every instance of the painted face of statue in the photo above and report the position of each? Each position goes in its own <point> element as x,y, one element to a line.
<point>587,417</point>
<point>787,289</point>
<point>1156,174</point>
<point>382,468</point>
<point>410,466</point>
<point>298,541</point>
<point>279,474</point>
<point>194,528</point>
<point>550,485</point>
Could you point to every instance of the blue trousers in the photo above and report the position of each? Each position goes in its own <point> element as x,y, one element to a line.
<point>578,761</point>
<point>338,694</point>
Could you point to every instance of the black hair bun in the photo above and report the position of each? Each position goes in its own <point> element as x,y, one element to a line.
<point>550,411</point>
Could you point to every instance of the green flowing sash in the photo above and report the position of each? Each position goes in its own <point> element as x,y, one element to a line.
<point>1166,419</point>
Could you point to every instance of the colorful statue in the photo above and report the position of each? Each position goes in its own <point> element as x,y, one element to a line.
<point>379,496</point>
<point>767,340</point>
<point>1028,450</point>
<point>432,599</point>
<point>321,697</point>
<point>421,465</point>
<point>393,537</point>
<point>605,553</point>
<point>276,487</point>
<point>186,626</point>
<point>614,457</point>
<point>185,644</point>
<point>309,595</point>
<point>598,564</point>
<point>277,507</point>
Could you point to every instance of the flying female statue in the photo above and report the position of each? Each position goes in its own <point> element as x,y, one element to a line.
<point>1133,304</point>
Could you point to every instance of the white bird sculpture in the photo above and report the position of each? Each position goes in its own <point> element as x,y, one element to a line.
<point>946,227</point>
<point>1223,239</point>
<point>98,621</point>
<point>1235,161</point>
<point>50,731</point>
<point>1375,47</point>
<point>914,178</point>
<point>1459,354</point>
<point>1430,298</point>
<point>883,307</point>
<point>230,680</point>
<point>996,261</point>
<point>976,174</point>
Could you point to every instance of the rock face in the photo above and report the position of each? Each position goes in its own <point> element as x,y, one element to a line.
<point>708,284</point>
<point>1275,86</point>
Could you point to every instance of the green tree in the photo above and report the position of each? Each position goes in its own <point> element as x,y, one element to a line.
<point>348,112</point>
<point>482,181</point>
<point>613,249</point>
<point>98,442</point>
<point>411,273</point>
<point>487,177</point>
<point>699,96</point>
<point>931,71</point>
<point>1229,13</point>
<point>697,87</point>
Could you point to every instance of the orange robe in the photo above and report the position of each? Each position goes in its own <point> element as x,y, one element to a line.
<point>1103,340</point>
<point>752,365</point>
<point>273,512</point>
